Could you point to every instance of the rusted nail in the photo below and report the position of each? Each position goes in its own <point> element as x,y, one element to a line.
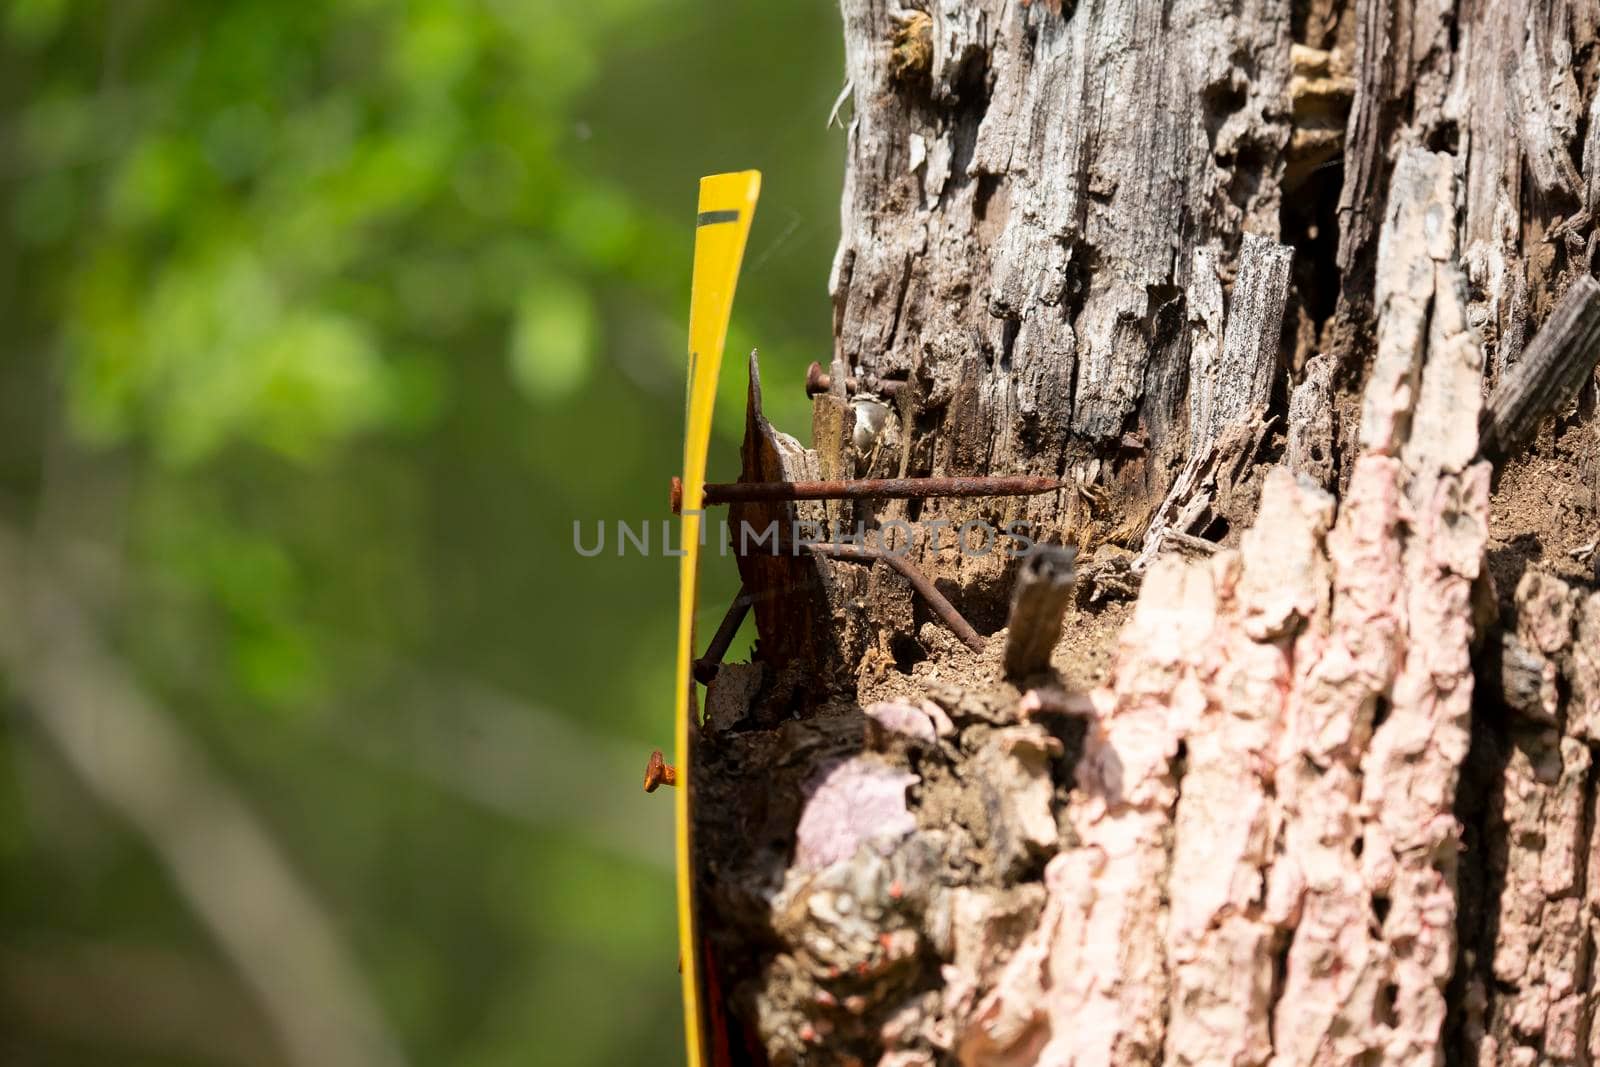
<point>705,668</point>
<point>675,495</point>
<point>817,379</point>
<point>820,381</point>
<point>658,772</point>
<point>862,488</point>
<point>941,607</point>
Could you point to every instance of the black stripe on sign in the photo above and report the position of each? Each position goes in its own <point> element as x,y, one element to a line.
<point>711,218</point>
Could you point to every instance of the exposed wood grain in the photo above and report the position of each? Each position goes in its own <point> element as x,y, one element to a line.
<point>1019,224</point>
<point>1231,374</point>
<point>1556,364</point>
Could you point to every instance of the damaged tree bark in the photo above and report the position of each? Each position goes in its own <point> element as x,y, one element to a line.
<point>1307,777</point>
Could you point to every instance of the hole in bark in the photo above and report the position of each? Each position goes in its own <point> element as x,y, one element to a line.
<point>1280,972</point>
<point>1162,295</point>
<point>987,184</point>
<point>1380,907</point>
<point>1008,340</point>
<point>1250,162</point>
<point>1311,225</point>
<point>1380,712</point>
<point>1445,137</point>
<point>1385,1008</point>
<point>971,96</point>
<point>907,652</point>
<point>1224,98</point>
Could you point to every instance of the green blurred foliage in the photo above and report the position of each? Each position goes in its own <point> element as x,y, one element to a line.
<point>326,321</point>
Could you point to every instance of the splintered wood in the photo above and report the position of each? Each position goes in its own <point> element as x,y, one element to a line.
<point>1043,591</point>
<point>1550,373</point>
<point>1232,369</point>
<point>1331,797</point>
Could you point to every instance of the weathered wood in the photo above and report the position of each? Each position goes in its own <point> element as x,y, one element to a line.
<point>1555,365</point>
<point>1231,372</point>
<point>1041,597</point>
<point>1023,264</point>
<point>926,589</point>
<point>1321,807</point>
<point>1310,450</point>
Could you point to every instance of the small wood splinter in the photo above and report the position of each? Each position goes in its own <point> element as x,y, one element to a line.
<point>1038,603</point>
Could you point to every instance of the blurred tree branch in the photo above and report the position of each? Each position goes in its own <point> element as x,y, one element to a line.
<point>133,757</point>
<point>511,757</point>
<point>135,998</point>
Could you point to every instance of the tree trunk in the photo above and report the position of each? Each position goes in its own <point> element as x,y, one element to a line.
<point>1247,277</point>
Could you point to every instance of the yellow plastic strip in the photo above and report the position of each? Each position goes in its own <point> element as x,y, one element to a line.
<point>727,205</point>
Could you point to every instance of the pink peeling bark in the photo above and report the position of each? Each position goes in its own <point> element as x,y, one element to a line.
<point>1404,556</point>
<point>1205,663</point>
<point>1223,925</point>
<point>1268,668</point>
<point>850,802</point>
<point>1333,964</point>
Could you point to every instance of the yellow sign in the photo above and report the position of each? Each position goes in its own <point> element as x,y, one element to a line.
<point>727,205</point>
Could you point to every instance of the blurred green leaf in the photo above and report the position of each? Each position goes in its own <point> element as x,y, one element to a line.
<point>34,20</point>
<point>552,340</point>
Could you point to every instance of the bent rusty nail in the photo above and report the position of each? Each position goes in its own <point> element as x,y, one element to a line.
<point>941,607</point>
<point>705,668</point>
